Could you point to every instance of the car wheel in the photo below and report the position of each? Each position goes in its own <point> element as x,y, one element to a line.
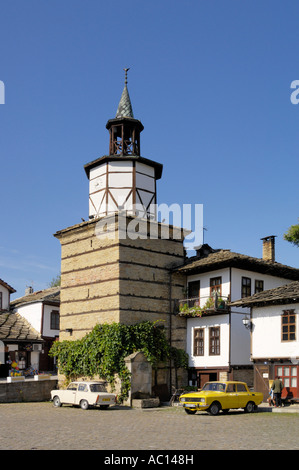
<point>214,408</point>
<point>84,404</point>
<point>190,412</point>
<point>56,401</point>
<point>250,407</point>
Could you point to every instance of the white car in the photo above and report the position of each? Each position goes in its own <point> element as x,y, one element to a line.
<point>84,394</point>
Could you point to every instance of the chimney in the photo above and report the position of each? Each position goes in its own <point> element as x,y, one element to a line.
<point>29,290</point>
<point>269,248</point>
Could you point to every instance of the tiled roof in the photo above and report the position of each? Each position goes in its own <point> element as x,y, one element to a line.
<point>125,107</point>
<point>226,258</point>
<point>51,295</point>
<point>288,293</point>
<point>15,327</point>
<point>7,286</point>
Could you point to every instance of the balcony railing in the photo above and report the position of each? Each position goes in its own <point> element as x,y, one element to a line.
<point>197,306</point>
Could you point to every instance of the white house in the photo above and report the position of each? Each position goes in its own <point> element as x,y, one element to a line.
<point>274,326</point>
<point>18,339</point>
<point>5,291</point>
<point>218,344</point>
<point>41,310</point>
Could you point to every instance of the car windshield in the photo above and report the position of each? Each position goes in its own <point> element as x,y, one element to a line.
<point>214,386</point>
<point>97,388</point>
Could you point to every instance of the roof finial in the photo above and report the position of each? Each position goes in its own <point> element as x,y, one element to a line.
<point>125,108</point>
<point>126,75</point>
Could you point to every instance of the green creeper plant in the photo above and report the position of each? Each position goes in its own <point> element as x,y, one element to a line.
<point>103,351</point>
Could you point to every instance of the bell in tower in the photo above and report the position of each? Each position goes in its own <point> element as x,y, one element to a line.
<point>123,180</point>
<point>124,130</point>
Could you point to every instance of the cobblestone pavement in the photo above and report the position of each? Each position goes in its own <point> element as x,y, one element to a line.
<point>27,426</point>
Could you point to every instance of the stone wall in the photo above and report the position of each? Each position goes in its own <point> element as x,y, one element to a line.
<point>28,390</point>
<point>106,277</point>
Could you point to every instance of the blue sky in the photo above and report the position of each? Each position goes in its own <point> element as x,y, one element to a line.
<point>210,81</point>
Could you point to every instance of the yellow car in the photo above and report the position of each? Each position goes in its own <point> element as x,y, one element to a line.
<point>216,396</point>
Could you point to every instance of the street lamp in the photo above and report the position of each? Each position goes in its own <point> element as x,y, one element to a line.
<point>247,322</point>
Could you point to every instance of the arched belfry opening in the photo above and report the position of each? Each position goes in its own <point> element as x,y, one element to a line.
<point>124,130</point>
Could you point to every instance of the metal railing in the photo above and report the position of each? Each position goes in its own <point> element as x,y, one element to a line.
<point>198,305</point>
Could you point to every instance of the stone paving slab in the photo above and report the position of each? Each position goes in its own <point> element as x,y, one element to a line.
<point>40,426</point>
<point>283,409</point>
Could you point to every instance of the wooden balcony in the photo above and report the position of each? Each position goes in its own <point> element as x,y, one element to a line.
<point>198,306</point>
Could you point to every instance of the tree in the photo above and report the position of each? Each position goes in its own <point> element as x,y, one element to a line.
<point>56,281</point>
<point>292,235</point>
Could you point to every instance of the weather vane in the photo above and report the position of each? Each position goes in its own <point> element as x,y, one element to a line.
<point>126,75</point>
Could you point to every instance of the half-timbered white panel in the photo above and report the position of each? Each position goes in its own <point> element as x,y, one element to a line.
<point>145,182</point>
<point>98,171</point>
<point>97,184</point>
<point>120,180</point>
<point>120,166</point>
<point>122,185</point>
<point>145,169</point>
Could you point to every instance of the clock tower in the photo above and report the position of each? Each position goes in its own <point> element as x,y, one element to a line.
<point>122,279</point>
<point>123,180</point>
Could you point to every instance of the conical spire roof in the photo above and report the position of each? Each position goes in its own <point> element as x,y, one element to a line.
<point>125,107</point>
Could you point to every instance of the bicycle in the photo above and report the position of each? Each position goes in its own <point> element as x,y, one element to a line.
<point>177,392</point>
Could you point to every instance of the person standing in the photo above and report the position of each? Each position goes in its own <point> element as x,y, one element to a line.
<point>277,387</point>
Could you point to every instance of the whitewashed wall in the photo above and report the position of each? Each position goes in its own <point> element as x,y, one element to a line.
<point>235,339</point>
<point>205,283</point>
<point>32,313</point>
<point>266,333</point>
<point>5,297</point>
<point>209,361</point>
<point>269,281</point>
<point>47,331</point>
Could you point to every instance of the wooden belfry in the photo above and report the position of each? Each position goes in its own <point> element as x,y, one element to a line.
<point>124,130</point>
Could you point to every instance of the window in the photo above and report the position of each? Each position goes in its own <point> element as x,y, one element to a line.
<point>288,375</point>
<point>54,325</point>
<point>98,387</point>
<point>82,388</point>
<point>72,386</point>
<point>198,344</point>
<point>241,388</point>
<point>288,325</point>
<point>214,341</point>
<point>246,287</point>
<point>215,286</point>
<point>193,289</point>
<point>1,304</point>
<point>258,286</point>
<point>231,388</point>
<point>193,293</point>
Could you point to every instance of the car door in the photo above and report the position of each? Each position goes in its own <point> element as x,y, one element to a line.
<point>69,395</point>
<point>231,397</point>
<point>243,395</point>
<point>82,393</point>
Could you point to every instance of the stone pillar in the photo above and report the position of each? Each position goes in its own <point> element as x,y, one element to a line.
<point>141,381</point>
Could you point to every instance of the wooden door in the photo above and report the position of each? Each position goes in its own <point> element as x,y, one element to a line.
<point>261,379</point>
